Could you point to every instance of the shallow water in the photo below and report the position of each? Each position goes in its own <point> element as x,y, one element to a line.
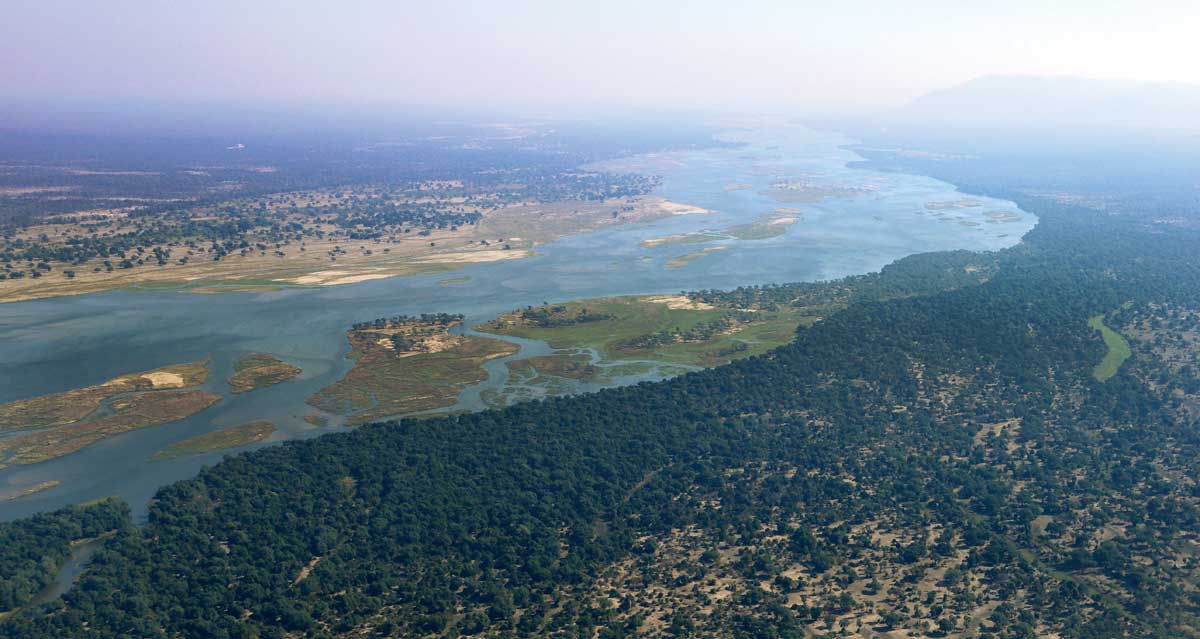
<point>58,344</point>
<point>71,569</point>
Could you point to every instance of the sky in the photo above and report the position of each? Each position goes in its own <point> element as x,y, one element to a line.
<point>848,54</point>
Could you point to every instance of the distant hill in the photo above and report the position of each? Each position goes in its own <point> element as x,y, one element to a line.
<point>1037,101</point>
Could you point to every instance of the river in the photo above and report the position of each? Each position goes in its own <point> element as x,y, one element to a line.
<point>868,220</point>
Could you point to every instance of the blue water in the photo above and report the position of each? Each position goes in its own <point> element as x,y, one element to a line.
<point>58,344</point>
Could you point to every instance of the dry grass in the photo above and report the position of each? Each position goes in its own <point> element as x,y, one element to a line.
<point>28,490</point>
<point>428,373</point>
<point>231,437</point>
<point>67,407</point>
<point>258,370</point>
<point>140,410</point>
<point>336,260</point>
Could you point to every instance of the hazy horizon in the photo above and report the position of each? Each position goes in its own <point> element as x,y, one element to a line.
<point>547,57</point>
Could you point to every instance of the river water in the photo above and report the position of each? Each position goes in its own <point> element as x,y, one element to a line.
<point>58,344</point>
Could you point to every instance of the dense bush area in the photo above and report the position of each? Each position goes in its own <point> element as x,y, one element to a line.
<point>498,522</point>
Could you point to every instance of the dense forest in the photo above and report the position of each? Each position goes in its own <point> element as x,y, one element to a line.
<point>937,456</point>
<point>33,549</point>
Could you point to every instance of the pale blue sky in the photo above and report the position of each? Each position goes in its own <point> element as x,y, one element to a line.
<point>547,54</point>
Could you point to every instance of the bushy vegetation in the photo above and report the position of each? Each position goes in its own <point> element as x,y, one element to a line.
<point>403,321</point>
<point>133,204</point>
<point>31,550</point>
<point>952,393</point>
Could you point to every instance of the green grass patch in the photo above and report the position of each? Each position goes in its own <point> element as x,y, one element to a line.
<point>699,237</point>
<point>687,258</point>
<point>230,437</point>
<point>764,228</point>
<point>626,318</point>
<point>383,384</point>
<point>1118,350</point>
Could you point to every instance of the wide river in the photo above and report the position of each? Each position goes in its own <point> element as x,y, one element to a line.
<point>864,221</point>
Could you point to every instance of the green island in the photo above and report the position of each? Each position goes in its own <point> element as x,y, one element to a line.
<point>687,258</point>
<point>668,328</point>
<point>701,329</point>
<point>230,437</point>
<point>1118,350</point>
<point>765,227</point>
<point>59,424</point>
<point>698,237</point>
<point>258,370</point>
<point>407,364</point>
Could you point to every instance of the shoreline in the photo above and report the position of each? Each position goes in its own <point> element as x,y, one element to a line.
<point>439,252</point>
<point>629,287</point>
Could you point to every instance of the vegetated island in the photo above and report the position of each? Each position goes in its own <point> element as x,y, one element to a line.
<point>765,227</point>
<point>230,437</point>
<point>25,491</point>
<point>687,258</point>
<point>790,191</point>
<point>674,329</point>
<point>58,424</point>
<point>58,409</point>
<point>406,364</point>
<point>634,334</point>
<point>258,370</point>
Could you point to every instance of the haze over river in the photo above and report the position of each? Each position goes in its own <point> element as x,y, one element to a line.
<point>847,221</point>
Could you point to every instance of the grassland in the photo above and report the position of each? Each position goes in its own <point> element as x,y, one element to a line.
<point>225,438</point>
<point>427,371</point>
<point>670,329</point>
<point>765,227</point>
<point>326,256</point>
<point>58,424</point>
<point>1118,350</point>
<point>699,237</point>
<point>662,334</point>
<point>258,370</point>
<point>687,258</point>
<point>28,490</point>
<point>140,410</point>
<point>569,366</point>
<point>60,409</point>
<point>544,376</point>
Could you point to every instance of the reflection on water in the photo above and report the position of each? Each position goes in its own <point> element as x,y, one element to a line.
<point>867,220</point>
<point>69,571</point>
